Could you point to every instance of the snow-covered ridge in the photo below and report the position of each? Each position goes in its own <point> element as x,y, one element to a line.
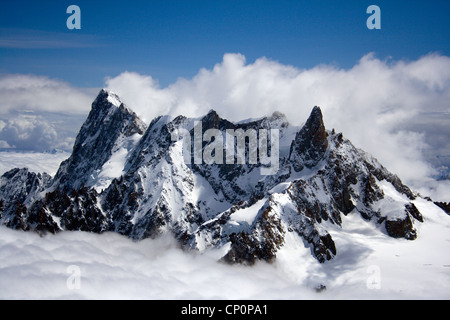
<point>113,98</point>
<point>130,178</point>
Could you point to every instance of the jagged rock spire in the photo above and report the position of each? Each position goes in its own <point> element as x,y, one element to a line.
<point>310,143</point>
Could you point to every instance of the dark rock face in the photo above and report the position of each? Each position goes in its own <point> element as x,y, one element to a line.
<point>444,206</point>
<point>414,212</point>
<point>42,222</point>
<point>371,190</point>
<point>200,204</point>
<point>404,227</point>
<point>72,211</point>
<point>401,228</point>
<point>21,184</point>
<point>310,143</point>
<point>224,178</point>
<point>19,189</point>
<point>261,244</point>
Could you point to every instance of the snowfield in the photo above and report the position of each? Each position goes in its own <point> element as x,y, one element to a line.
<point>369,265</point>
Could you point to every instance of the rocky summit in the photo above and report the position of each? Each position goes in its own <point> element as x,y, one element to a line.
<point>129,177</point>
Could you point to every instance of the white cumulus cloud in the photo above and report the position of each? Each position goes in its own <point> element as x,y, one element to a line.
<point>22,92</point>
<point>376,103</point>
<point>39,114</point>
<point>30,133</point>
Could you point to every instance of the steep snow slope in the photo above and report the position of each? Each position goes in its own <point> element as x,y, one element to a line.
<point>372,265</point>
<point>325,179</point>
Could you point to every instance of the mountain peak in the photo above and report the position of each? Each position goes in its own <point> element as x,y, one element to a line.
<point>278,115</point>
<point>315,124</point>
<point>212,120</point>
<point>212,114</point>
<point>105,99</point>
<point>310,143</point>
<point>316,112</point>
<point>108,127</point>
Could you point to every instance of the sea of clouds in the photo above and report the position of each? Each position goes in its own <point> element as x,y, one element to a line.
<point>369,265</point>
<point>78,265</point>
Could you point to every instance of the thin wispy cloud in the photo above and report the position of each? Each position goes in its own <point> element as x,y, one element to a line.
<point>40,93</point>
<point>12,38</point>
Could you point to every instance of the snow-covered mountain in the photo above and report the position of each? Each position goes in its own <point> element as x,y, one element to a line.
<point>110,131</point>
<point>130,178</point>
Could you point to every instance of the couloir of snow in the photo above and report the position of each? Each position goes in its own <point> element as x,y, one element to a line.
<point>115,165</point>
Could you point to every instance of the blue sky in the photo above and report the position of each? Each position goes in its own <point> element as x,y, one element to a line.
<point>171,39</point>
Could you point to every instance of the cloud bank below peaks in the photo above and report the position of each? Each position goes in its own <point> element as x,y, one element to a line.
<point>41,114</point>
<point>375,103</point>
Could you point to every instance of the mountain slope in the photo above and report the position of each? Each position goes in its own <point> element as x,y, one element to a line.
<point>108,134</point>
<point>334,179</point>
<point>19,188</point>
<point>143,181</point>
